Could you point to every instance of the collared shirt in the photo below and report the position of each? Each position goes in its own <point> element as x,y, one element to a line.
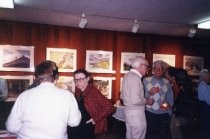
<point>204,92</point>
<point>43,112</point>
<point>135,71</point>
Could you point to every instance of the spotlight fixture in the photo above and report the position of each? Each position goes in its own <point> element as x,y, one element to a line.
<point>135,27</point>
<point>83,21</point>
<point>7,4</point>
<point>192,32</point>
<point>204,25</point>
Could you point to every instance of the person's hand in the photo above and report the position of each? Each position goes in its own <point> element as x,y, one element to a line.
<point>90,121</point>
<point>150,101</point>
<point>154,90</point>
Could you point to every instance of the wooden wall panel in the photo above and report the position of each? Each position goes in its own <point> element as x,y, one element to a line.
<point>43,36</point>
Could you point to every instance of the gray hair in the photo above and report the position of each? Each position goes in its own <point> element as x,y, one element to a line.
<point>140,60</point>
<point>203,73</point>
<point>162,63</point>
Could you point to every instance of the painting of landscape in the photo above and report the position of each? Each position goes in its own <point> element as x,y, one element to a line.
<point>17,58</point>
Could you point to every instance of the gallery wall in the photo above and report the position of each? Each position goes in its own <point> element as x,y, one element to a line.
<point>49,36</point>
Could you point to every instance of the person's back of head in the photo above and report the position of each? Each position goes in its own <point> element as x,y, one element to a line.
<point>140,60</point>
<point>46,71</point>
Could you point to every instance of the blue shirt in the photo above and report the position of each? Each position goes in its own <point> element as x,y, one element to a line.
<point>204,92</point>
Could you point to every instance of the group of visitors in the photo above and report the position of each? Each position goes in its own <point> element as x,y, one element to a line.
<point>168,99</point>
<point>44,111</point>
<point>153,104</point>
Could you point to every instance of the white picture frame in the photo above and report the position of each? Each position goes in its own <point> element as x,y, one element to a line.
<point>169,59</point>
<point>104,85</point>
<point>64,58</point>
<point>16,85</point>
<point>99,61</point>
<point>66,82</point>
<point>193,64</point>
<point>16,58</point>
<point>126,60</point>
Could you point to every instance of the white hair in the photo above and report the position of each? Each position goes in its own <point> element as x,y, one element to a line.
<point>203,73</point>
<point>136,63</point>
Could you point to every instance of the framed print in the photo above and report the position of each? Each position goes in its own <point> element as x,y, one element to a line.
<point>64,58</point>
<point>104,84</point>
<point>127,59</point>
<point>66,82</point>
<point>16,85</point>
<point>99,61</point>
<point>16,58</point>
<point>193,64</point>
<point>170,59</point>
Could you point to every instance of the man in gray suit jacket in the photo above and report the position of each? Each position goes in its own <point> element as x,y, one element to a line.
<point>134,100</point>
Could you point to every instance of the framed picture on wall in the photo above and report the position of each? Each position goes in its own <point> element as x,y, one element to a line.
<point>193,64</point>
<point>127,59</point>
<point>104,84</point>
<point>170,59</point>
<point>64,58</point>
<point>16,85</point>
<point>16,58</point>
<point>66,82</point>
<point>99,61</point>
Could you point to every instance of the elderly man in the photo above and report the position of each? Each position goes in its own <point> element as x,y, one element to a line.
<point>134,100</point>
<point>158,115</point>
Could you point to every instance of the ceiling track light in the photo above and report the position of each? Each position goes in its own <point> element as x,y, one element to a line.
<point>135,27</point>
<point>204,25</point>
<point>83,21</point>
<point>7,4</point>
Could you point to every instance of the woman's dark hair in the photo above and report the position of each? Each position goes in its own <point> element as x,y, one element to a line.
<point>85,73</point>
<point>82,71</point>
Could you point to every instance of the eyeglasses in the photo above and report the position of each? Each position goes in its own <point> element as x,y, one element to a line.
<point>79,80</point>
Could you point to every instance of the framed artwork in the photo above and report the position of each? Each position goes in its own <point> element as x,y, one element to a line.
<point>16,85</point>
<point>104,84</point>
<point>193,64</point>
<point>127,59</point>
<point>16,58</point>
<point>99,61</point>
<point>66,82</point>
<point>170,59</point>
<point>64,58</point>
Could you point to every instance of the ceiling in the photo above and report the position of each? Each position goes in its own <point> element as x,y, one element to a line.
<point>162,17</point>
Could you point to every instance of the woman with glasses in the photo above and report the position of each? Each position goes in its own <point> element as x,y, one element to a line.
<point>93,105</point>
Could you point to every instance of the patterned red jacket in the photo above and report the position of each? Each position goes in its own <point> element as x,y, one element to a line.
<point>98,107</point>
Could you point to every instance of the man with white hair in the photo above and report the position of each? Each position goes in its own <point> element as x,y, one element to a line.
<point>133,98</point>
<point>203,87</point>
<point>204,103</point>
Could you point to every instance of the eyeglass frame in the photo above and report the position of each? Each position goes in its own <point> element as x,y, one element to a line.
<point>79,80</point>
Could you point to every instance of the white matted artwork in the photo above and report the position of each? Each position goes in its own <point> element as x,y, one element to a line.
<point>64,58</point>
<point>99,61</point>
<point>193,64</point>
<point>16,85</point>
<point>127,59</point>
<point>66,82</point>
<point>104,85</point>
<point>169,59</point>
<point>16,58</point>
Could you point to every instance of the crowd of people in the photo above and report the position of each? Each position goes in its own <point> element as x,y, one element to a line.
<point>159,105</point>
